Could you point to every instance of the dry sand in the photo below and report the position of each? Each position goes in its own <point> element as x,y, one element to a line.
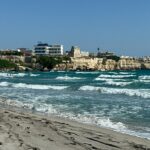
<point>27,131</point>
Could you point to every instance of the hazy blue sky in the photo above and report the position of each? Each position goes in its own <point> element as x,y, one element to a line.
<point>122,26</point>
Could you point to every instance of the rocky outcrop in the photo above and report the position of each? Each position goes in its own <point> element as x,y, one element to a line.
<point>87,63</point>
<point>145,65</point>
<point>128,63</point>
<point>109,64</point>
<point>22,68</point>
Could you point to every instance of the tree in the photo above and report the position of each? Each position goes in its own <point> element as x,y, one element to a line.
<point>49,62</point>
<point>5,64</point>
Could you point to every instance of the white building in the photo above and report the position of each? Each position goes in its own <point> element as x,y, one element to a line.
<point>55,50</point>
<point>50,50</point>
<point>84,54</point>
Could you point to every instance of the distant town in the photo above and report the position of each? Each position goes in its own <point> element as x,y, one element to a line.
<point>45,57</point>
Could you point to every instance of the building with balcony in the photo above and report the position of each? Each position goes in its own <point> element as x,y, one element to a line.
<point>55,50</point>
<point>48,50</point>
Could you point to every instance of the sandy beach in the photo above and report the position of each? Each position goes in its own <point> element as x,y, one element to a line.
<point>28,131</point>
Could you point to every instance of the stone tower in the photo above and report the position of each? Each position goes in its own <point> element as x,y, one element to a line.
<point>75,52</point>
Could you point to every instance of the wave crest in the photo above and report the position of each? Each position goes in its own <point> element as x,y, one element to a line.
<point>68,78</point>
<point>33,86</point>
<point>116,76</point>
<point>144,93</point>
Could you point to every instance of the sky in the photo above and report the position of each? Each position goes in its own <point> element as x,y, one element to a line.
<point>120,26</point>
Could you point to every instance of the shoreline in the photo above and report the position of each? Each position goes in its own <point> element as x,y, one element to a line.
<point>22,129</point>
<point>26,109</point>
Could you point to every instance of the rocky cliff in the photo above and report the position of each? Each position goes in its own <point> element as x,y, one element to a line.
<point>87,63</point>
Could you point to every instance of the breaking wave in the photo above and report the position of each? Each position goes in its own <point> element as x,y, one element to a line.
<point>93,119</point>
<point>144,93</point>
<point>86,72</point>
<point>34,75</point>
<point>107,79</point>
<point>19,75</point>
<point>48,108</point>
<point>68,78</point>
<point>61,71</point>
<point>127,73</point>
<point>38,87</point>
<point>11,75</point>
<point>33,86</point>
<point>55,93</point>
<point>115,76</point>
<point>4,83</point>
<point>144,77</point>
<point>6,75</point>
<point>116,82</point>
<point>111,82</point>
<point>144,81</point>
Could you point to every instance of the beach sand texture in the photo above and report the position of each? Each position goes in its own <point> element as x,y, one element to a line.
<point>27,131</point>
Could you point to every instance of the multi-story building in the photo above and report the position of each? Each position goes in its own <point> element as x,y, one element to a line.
<point>50,50</point>
<point>105,54</point>
<point>55,50</point>
<point>84,54</point>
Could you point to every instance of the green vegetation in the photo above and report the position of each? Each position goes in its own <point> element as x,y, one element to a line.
<point>5,64</point>
<point>66,59</point>
<point>116,58</point>
<point>9,53</point>
<point>51,62</point>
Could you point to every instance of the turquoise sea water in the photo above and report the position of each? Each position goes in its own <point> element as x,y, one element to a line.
<point>119,100</point>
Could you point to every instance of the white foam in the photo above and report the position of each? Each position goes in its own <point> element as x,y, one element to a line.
<point>54,87</point>
<point>113,72</point>
<point>16,103</point>
<point>34,75</point>
<point>93,119</point>
<point>145,81</point>
<point>115,76</point>
<point>82,72</point>
<point>122,73</point>
<point>144,93</point>
<point>48,108</point>
<point>61,71</point>
<point>68,78</point>
<point>83,118</point>
<point>7,75</point>
<point>45,108</point>
<point>38,87</point>
<point>10,75</point>
<point>116,82</point>
<point>4,83</point>
<point>144,77</point>
<point>111,82</point>
<point>108,79</point>
<point>19,75</point>
<point>109,124</point>
<point>126,73</point>
<point>89,88</point>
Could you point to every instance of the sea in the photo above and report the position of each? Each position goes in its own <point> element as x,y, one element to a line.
<point>117,100</point>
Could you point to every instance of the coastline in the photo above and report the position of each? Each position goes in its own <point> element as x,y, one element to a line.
<point>21,129</point>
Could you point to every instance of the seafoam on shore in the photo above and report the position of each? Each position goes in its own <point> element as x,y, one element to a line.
<point>22,130</point>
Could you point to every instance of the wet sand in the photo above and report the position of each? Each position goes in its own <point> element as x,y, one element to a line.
<point>28,131</point>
